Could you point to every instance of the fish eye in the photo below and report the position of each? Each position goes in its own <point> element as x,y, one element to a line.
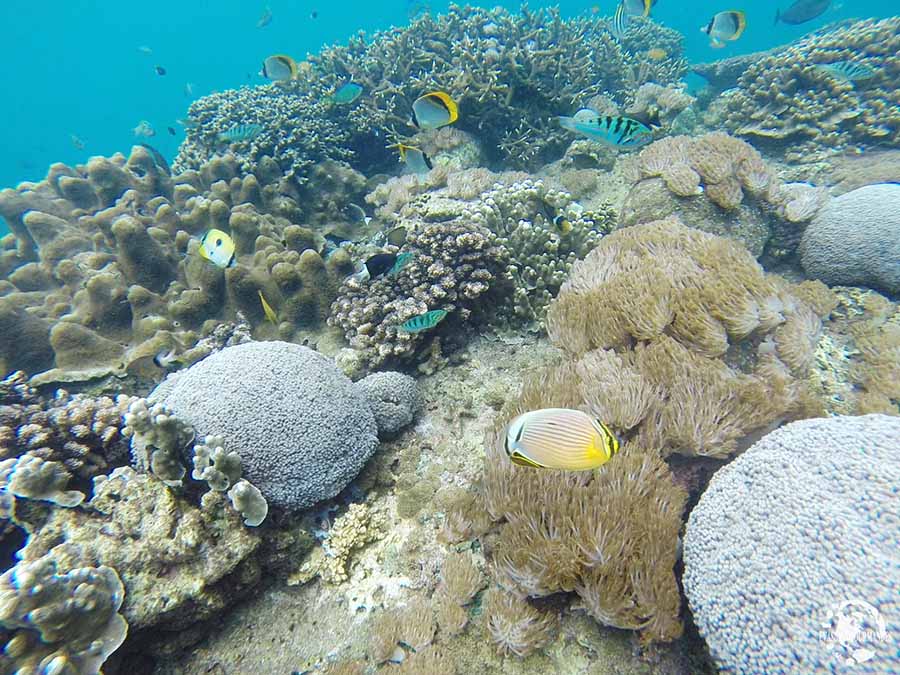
<point>218,242</point>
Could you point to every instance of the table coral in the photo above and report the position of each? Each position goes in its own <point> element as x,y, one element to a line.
<point>722,185</point>
<point>116,263</point>
<point>826,554</point>
<point>512,74</point>
<point>786,97</point>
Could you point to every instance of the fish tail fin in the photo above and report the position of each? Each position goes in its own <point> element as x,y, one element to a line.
<point>741,24</point>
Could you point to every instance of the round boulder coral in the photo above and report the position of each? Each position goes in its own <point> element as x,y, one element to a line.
<point>394,398</point>
<point>855,240</point>
<point>302,428</point>
<point>790,555</point>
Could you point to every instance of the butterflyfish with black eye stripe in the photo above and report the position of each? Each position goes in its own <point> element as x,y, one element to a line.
<point>218,248</point>
<point>433,110</point>
<point>559,438</point>
<point>620,132</point>
<point>724,26</point>
<point>279,68</point>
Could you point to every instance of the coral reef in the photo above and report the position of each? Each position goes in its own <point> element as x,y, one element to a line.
<point>394,399</point>
<point>680,337</point>
<point>34,478</point>
<point>828,548</point>
<point>511,73</point>
<point>515,626</point>
<point>722,185</point>
<point>60,622</point>
<point>106,255</point>
<point>504,246</point>
<point>82,433</point>
<point>786,97</point>
<point>302,429</point>
<point>179,564</point>
<point>654,103</point>
<point>855,240</point>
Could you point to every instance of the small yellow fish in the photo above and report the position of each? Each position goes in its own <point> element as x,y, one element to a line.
<point>563,224</point>
<point>657,53</point>
<point>218,248</point>
<point>267,309</point>
<point>559,438</point>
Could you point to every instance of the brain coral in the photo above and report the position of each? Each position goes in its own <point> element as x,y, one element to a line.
<point>302,429</point>
<point>801,523</point>
<point>855,240</point>
<point>786,95</point>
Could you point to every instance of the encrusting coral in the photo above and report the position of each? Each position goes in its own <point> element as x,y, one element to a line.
<point>721,184</point>
<point>60,622</point>
<point>787,96</point>
<point>106,255</point>
<point>511,74</point>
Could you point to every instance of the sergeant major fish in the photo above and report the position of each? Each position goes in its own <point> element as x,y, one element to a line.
<point>621,132</point>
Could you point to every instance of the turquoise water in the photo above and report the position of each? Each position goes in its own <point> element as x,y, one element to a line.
<point>77,68</point>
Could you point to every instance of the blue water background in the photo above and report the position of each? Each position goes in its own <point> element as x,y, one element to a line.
<point>76,68</point>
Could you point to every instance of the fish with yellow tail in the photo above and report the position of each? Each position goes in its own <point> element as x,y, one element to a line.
<point>279,68</point>
<point>267,309</point>
<point>559,438</point>
<point>725,26</point>
<point>434,110</point>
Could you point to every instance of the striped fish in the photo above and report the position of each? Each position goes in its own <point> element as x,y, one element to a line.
<point>424,322</point>
<point>620,132</point>
<point>559,438</point>
<point>848,70</point>
<point>620,22</point>
<point>241,132</point>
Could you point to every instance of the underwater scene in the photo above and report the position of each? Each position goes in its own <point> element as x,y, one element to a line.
<point>419,338</point>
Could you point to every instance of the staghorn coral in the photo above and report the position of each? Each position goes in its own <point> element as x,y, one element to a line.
<point>60,622</point>
<point>784,96</point>
<point>744,199</point>
<point>681,337</point>
<point>511,73</point>
<point>114,262</point>
<point>503,246</point>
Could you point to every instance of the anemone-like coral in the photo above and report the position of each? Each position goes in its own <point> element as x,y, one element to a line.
<point>512,74</point>
<point>106,255</point>
<point>787,96</point>
<point>505,246</point>
<point>515,626</point>
<point>722,185</point>
<point>681,336</point>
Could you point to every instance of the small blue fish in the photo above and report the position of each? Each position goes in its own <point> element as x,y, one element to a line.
<point>403,259</point>
<point>620,132</point>
<point>241,132</point>
<point>424,322</point>
<point>847,71</point>
<point>347,93</point>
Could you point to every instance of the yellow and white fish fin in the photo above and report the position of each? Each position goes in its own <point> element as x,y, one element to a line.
<point>517,457</point>
<point>448,102</point>
<point>741,24</point>
<point>647,5</point>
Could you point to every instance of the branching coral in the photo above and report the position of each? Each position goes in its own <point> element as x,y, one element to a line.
<point>504,244</point>
<point>511,74</point>
<point>787,96</point>
<point>115,262</point>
